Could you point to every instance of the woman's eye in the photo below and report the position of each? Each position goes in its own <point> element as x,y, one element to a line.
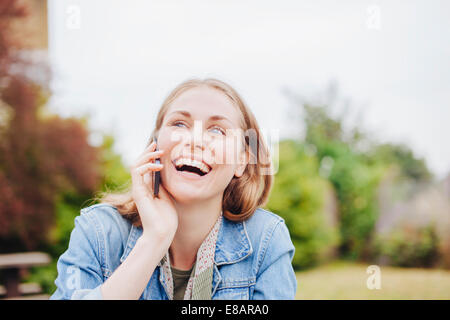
<point>180,124</point>
<point>219,130</point>
<point>177,123</point>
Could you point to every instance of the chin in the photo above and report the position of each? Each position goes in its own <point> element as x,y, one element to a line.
<point>186,194</point>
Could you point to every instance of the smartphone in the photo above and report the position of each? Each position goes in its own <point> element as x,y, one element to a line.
<point>156,176</point>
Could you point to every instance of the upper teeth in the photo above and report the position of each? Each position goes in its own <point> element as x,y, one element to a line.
<point>194,163</point>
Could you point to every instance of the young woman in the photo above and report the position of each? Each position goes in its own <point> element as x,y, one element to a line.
<point>205,236</point>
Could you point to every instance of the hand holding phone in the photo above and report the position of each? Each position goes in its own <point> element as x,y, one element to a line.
<point>157,213</point>
<point>156,177</point>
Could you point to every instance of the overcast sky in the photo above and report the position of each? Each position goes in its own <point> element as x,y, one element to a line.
<point>117,60</point>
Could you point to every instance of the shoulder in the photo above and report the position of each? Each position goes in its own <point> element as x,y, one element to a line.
<point>268,232</point>
<point>262,223</point>
<point>103,211</point>
<point>106,220</point>
<point>263,217</point>
<point>272,256</point>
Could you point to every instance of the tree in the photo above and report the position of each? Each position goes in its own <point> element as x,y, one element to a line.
<point>354,179</point>
<point>404,159</point>
<point>41,155</point>
<point>356,165</point>
<point>299,195</point>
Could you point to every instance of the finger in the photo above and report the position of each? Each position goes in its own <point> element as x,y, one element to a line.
<point>147,178</point>
<point>148,167</point>
<point>151,146</point>
<point>136,179</point>
<point>140,183</point>
<point>149,156</point>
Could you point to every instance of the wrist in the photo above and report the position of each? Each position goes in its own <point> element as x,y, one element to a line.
<point>152,245</point>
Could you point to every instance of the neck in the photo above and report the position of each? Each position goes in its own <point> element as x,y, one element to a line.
<point>195,221</point>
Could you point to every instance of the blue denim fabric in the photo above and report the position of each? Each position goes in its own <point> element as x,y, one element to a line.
<point>252,258</point>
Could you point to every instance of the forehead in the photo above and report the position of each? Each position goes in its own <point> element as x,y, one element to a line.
<point>203,102</point>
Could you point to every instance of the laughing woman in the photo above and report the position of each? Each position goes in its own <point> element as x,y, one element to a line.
<point>205,235</point>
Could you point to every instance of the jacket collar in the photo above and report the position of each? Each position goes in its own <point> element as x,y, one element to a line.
<point>233,243</point>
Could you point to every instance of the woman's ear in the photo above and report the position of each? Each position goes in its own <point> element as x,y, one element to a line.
<point>243,161</point>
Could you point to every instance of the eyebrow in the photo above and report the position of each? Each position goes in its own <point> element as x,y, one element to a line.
<point>213,118</point>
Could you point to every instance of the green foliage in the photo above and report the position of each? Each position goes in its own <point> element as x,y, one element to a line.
<point>298,196</point>
<point>409,247</point>
<point>353,177</point>
<point>356,185</point>
<point>355,165</point>
<point>403,157</point>
<point>45,276</point>
<point>115,175</point>
<point>67,208</point>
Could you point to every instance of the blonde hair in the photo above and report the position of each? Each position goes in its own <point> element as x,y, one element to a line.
<point>243,195</point>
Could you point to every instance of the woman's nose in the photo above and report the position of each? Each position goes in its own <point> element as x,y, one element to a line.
<point>195,141</point>
<point>197,138</point>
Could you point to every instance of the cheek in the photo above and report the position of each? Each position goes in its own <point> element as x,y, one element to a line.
<point>168,139</point>
<point>225,152</point>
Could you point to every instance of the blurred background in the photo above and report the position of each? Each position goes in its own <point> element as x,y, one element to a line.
<point>356,92</point>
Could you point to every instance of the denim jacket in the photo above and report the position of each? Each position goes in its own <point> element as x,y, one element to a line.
<point>252,258</point>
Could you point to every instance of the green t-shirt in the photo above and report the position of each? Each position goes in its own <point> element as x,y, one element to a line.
<point>180,280</point>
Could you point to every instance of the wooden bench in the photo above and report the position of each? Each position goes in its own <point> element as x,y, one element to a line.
<point>33,297</point>
<point>24,289</point>
<point>12,263</point>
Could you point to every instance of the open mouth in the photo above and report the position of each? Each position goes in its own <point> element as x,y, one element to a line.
<point>191,169</point>
<point>195,167</point>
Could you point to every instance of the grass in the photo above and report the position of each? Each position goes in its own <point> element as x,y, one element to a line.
<point>346,280</point>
